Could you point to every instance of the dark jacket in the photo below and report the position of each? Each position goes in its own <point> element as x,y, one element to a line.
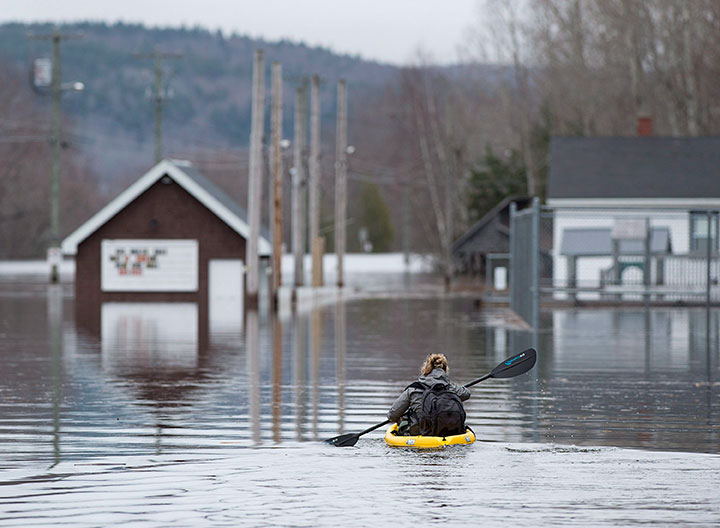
<point>411,398</point>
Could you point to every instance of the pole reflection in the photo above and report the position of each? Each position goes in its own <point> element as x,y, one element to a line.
<point>277,365</point>
<point>300,373</point>
<point>252,346</point>
<point>55,319</point>
<point>340,339</point>
<point>316,333</point>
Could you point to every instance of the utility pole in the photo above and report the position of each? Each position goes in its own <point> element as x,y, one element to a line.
<point>299,186</point>
<point>340,178</point>
<point>252,262</point>
<point>277,179</point>
<point>56,87</point>
<point>315,242</point>
<point>160,94</point>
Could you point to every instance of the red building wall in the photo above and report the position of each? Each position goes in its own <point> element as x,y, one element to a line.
<point>164,211</point>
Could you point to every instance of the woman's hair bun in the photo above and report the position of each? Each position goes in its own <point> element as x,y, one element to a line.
<point>434,361</point>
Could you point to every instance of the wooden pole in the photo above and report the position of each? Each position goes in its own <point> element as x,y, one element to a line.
<point>299,187</point>
<point>315,180</point>
<point>252,261</point>
<point>319,251</point>
<point>55,186</point>
<point>56,88</point>
<point>277,176</point>
<point>341,178</point>
<point>159,95</point>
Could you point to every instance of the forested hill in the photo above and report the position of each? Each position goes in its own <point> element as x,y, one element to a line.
<point>210,84</point>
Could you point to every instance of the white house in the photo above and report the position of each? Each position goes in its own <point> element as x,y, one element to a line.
<point>624,205</point>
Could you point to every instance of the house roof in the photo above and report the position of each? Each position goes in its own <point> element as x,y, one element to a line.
<point>597,242</point>
<point>634,167</point>
<point>470,240</point>
<point>185,175</point>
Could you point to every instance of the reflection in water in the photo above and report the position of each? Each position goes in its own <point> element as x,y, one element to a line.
<point>252,347</point>
<point>300,347</point>
<point>316,338</point>
<point>277,364</point>
<point>151,382</point>
<point>149,337</point>
<point>143,420</point>
<point>340,362</point>
<point>55,320</point>
<point>635,377</point>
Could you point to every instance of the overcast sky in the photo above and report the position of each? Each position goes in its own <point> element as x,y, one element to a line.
<point>385,30</point>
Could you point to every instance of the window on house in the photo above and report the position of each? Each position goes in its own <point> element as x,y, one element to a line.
<point>700,231</point>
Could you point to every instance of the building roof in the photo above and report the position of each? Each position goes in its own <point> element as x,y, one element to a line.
<point>634,167</point>
<point>185,175</point>
<point>597,242</point>
<point>474,239</point>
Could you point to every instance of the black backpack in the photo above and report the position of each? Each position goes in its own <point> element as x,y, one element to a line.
<point>441,411</point>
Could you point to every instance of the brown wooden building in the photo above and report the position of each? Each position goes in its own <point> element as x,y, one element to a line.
<point>157,242</point>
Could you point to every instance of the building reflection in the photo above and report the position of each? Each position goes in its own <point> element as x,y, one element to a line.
<point>159,353</point>
<point>137,338</point>
<point>156,347</point>
<point>639,370</point>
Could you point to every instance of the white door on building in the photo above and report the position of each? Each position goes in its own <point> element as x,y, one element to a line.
<point>225,295</point>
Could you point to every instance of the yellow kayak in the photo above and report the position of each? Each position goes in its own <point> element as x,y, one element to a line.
<point>393,439</point>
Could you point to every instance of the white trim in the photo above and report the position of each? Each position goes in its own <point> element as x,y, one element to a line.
<point>635,203</point>
<point>71,242</point>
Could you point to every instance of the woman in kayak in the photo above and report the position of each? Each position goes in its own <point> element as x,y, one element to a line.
<point>407,411</point>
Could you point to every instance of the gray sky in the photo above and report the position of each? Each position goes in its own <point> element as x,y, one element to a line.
<point>385,30</point>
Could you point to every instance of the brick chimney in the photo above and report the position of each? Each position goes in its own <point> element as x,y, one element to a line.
<point>644,126</point>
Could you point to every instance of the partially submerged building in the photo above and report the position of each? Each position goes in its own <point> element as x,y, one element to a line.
<point>633,213</point>
<point>488,236</point>
<point>172,236</point>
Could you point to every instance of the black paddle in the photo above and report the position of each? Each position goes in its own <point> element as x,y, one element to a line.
<point>511,367</point>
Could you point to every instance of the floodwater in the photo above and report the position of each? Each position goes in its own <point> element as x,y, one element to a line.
<point>157,418</point>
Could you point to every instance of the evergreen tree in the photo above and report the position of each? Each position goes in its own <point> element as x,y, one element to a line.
<point>498,178</point>
<point>373,218</point>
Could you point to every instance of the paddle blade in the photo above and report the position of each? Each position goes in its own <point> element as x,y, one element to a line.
<point>346,440</point>
<point>515,365</point>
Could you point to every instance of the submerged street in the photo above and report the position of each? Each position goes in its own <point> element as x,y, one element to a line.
<point>222,422</point>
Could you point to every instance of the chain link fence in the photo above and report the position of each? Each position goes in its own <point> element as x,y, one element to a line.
<point>612,255</point>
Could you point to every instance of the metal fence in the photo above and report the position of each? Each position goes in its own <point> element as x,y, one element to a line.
<point>524,262</point>
<point>613,255</point>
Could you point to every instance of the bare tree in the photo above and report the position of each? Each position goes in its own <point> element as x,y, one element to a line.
<point>24,168</point>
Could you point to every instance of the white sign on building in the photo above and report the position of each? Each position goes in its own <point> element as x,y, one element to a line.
<point>149,265</point>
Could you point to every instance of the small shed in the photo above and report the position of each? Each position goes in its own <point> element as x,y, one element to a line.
<point>489,235</point>
<point>160,240</point>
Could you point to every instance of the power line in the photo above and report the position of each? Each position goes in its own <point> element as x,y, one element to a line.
<point>160,93</point>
